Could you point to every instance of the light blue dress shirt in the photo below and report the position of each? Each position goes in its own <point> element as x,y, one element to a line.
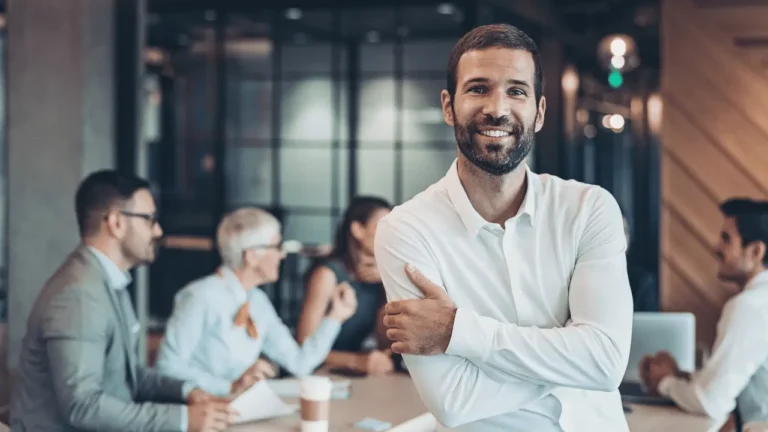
<point>202,343</point>
<point>118,280</point>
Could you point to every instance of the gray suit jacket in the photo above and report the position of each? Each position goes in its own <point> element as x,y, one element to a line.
<point>78,369</point>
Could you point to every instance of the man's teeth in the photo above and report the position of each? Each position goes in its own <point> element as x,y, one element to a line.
<point>495,133</point>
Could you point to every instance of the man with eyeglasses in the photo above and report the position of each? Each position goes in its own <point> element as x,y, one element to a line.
<point>79,368</point>
<point>222,323</point>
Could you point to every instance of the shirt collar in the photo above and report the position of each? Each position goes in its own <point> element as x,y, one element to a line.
<point>233,284</point>
<point>469,216</point>
<point>760,279</point>
<point>116,278</point>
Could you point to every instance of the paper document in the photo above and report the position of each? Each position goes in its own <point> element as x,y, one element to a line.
<point>260,402</point>
<point>423,423</point>
<point>290,388</point>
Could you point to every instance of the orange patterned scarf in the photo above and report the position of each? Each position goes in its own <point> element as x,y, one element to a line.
<point>243,316</point>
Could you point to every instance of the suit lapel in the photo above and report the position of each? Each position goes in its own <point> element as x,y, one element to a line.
<point>123,320</point>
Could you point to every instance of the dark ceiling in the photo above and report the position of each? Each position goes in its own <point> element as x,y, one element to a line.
<point>580,24</point>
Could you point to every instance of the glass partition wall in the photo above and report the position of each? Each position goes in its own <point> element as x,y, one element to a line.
<point>294,110</point>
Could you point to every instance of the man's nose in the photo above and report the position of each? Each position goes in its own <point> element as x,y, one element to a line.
<point>497,105</point>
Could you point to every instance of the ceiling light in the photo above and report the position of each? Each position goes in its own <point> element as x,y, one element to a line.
<point>617,61</point>
<point>618,46</point>
<point>445,9</point>
<point>570,80</point>
<point>293,14</point>
<point>618,52</point>
<point>616,122</point>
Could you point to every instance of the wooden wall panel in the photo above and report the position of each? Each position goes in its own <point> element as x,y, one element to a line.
<point>714,145</point>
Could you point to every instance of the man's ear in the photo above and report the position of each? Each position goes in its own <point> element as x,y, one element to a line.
<point>756,252</point>
<point>116,223</point>
<point>447,103</point>
<point>540,113</point>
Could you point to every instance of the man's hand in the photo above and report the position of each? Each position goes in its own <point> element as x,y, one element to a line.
<point>197,396</point>
<point>654,368</point>
<point>209,416</point>
<point>376,363</point>
<point>420,326</point>
<point>343,303</point>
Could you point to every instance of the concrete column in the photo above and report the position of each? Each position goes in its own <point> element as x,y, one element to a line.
<point>60,128</point>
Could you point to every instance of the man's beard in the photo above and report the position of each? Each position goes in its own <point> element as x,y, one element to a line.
<point>503,163</point>
<point>143,255</point>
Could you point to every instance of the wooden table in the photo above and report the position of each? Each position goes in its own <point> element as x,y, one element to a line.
<point>394,399</point>
<point>391,398</point>
<point>648,418</point>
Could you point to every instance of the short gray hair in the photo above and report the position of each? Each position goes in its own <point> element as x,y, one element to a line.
<point>243,229</point>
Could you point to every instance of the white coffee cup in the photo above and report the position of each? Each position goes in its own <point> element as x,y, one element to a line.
<point>315,397</point>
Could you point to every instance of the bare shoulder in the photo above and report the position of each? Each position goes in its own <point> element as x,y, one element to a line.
<point>321,279</point>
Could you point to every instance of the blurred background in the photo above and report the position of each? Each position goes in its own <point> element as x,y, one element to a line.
<point>299,107</point>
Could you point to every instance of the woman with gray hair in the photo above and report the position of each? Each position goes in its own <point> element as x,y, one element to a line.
<point>222,323</point>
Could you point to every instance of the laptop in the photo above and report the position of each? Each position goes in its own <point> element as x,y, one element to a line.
<point>674,332</point>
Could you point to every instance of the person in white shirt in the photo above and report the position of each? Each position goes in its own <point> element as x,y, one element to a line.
<point>516,312</point>
<point>736,374</point>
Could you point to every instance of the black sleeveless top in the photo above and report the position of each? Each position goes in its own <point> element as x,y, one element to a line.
<point>370,298</point>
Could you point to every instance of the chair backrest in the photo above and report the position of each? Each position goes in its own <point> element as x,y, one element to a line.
<point>674,332</point>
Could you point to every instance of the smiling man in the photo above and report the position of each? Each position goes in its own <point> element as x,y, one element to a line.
<point>508,290</point>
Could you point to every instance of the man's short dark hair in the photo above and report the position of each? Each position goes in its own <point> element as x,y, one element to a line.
<point>495,36</point>
<point>99,193</point>
<point>751,220</point>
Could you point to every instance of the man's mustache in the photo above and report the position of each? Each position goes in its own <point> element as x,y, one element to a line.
<point>499,123</point>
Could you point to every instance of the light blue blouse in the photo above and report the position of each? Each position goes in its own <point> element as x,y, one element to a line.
<point>203,345</point>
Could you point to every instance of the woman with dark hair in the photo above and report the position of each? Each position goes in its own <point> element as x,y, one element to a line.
<point>352,263</point>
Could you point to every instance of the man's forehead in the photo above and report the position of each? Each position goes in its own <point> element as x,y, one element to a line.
<point>143,201</point>
<point>514,62</point>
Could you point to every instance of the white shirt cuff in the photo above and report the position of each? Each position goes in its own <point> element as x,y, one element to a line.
<point>472,335</point>
<point>665,385</point>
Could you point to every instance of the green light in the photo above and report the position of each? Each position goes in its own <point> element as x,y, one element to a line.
<point>615,80</point>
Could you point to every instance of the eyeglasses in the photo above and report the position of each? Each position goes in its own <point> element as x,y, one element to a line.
<point>152,218</point>
<point>287,246</point>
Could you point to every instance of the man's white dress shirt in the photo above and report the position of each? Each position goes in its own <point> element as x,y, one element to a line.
<point>738,367</point>
<point>543,325</point>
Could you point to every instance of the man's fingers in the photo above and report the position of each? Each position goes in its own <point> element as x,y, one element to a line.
<point>429,289</point>
<point>395,307</point>
<point>393,321</point>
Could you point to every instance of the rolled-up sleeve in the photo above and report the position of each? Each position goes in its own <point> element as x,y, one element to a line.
<point>280,345</point>
<point>740,348</point>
